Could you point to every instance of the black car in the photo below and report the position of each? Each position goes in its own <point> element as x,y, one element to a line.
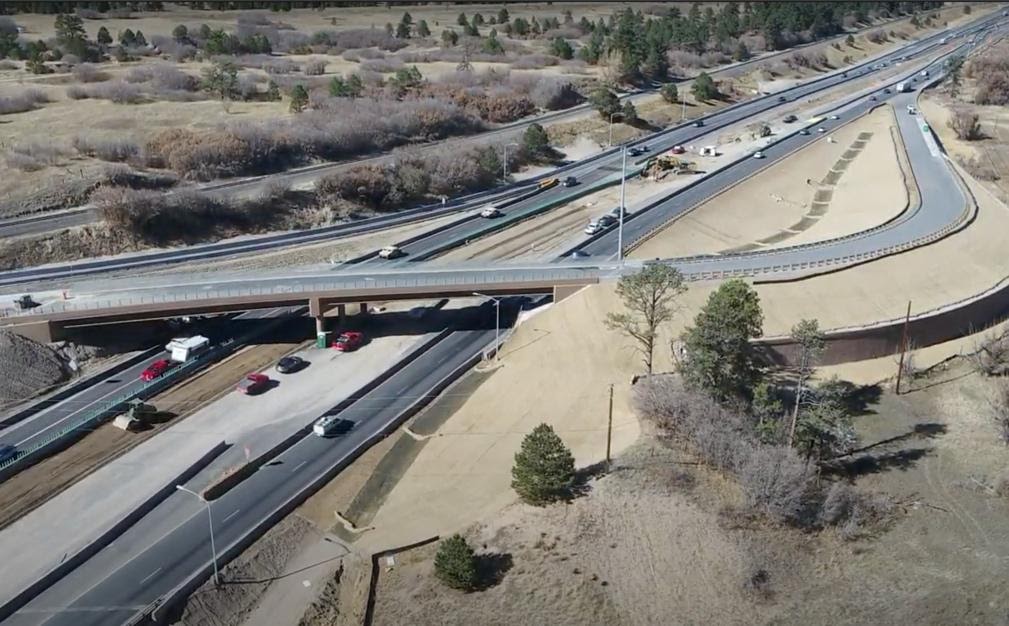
<point>873,98</point>
<point>698,123</point>
<point>782,99</point>
<point>788,119</point>
<point>291,364</point>
<point>887,90</point>
<point>634,152</point>
<point>570,181</point>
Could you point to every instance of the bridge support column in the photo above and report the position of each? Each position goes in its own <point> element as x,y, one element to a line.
<point>341,314</point>
<point>363,308</point>
<point>43,332</point>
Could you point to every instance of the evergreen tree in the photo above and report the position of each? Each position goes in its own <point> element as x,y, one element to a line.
<point>139,40</point>
<point>560,48</point>
<point>103,37</point>
<point>402,31</point>
<point>720,359</point>
<point>180,33</point>
<point>69,28</point>
<point>520,26</point>
<point>491,45</point>
<point>502,15</point>
<point>449,37</point>
<point>604,101</point>
<point>455,563</point>
<point>299,99</point>
<point>221,79</point>
<point>544,467</point>
<point>273,92</point>
<point>704,88</point>
<point>461,20</point>
<point>670,93</point>
<point>535,141</point>
<point>422,29</point>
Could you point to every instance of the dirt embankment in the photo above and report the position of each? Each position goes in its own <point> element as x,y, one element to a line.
<point>27,368</point>
<point>657,538</point>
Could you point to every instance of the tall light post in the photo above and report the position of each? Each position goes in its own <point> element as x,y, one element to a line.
<point>620,224</point>
<point>497,324</point>
<point>210,518</point>
<point>504,163</point>
<point>610,143</point>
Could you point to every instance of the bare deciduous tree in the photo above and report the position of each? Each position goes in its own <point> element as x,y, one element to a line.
<point>647,295</point>
<point>965,124</point>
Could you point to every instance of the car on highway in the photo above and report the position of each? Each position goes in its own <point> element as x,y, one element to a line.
<point>7,452</point>
<point>788,119</point>
<point>291,364</point>
<point>758,154</point>
<point>548,184</point>
<point>349,341</point>
<point>330,425</point>
<point>615,213</point>
<point>578,254</point>
<point>390,252</point>
<point>417,312</point>
<point>253,383</point>
<point>873,98</point>
<point>570,181</point>
<point>678,150</point>
<point>821,130</point>
<point>635,151</point>
<point>593,227</point>
<point>782,99</point>
<point>156,369</point>
<point>608,220</point>
<point>698,123</point>
<point>887,90</point>
<point>834,117</point>
<point>804,131</point>
<point>490,211</point>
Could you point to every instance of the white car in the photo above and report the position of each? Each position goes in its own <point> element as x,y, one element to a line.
<point>490,211</point>
<point>593,228</point>
<point>390,252</point>
<point>821,130</point>
<point>834,117</point>
<point>331,425</point>
<point>758,154</point>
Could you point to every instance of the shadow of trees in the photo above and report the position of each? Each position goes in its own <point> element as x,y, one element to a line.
<point>491,569</point>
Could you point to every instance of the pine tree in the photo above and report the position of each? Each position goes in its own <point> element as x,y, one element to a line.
<point>299,99</point>
<point>104,38</point>
<point>544,467</point>
<point>422,29</point>
<point>180,33</point>
<point>455,563</point>
<point>560,48</point>
<point>704,88</point>
<point>273,92</point>
<point>670,93</point>
<point>535,141</point>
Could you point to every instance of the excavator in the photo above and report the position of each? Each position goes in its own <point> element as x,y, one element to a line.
<point>661,166</point>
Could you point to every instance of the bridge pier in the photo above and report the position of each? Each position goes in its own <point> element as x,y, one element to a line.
<point>43,332</point>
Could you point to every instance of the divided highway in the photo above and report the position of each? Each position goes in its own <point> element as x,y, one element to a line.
<point>152,569</point>
<point>588,170</point>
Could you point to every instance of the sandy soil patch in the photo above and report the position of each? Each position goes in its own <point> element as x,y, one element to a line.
<point>774,206</point>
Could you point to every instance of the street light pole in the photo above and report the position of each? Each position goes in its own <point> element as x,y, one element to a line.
<point>620,226</point>
<point>497,324</point>
<point>504,164</point>
<point>210,518</point>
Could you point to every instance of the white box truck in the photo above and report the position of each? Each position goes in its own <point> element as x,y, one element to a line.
<point>184,348</point>
<point>903,88</point>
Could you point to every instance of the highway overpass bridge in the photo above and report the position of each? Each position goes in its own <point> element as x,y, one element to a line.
<point>321,292</point>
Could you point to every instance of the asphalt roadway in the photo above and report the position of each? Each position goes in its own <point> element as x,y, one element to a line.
<point>134,571</point>
<point>248,186</point>
<point>37,428</point>
<point>588,171</point>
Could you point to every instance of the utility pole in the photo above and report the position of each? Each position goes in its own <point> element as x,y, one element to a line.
<point>609,430</point>
<point>903,346</point>
<point>504,162</point>
<point>210,518</point>
<point>620,226</point>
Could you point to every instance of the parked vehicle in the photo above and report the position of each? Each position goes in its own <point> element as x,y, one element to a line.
<point>7,452</point>
<point>548,183</point>
<point>291,364</point>
<point>788,119</point>
<point>349,341</point>
<point>156,369</point>
<point>25,302</point>
<point>570,181</point>
<point>678,150</point>
<point>184,348</point>
<point>390,252</point>
<point>490,211</point>
<point>709,151</point>
<point>330,425</point>
<point>253,384</point>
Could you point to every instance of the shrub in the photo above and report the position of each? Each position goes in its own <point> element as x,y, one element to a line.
<point>117,91</point>
<point>8,65</point>
<point>553,94</point>
<point>670,93</point>
<point>280,66</point>
<point>25,101</point>
<point>455,563</point>
<point>88,73</point>
<point>23,162</point>
<point>77,92</point>
<point>113,150</point>
<point>965,124</point>
<point>544,467</point>
<point>315,67</point>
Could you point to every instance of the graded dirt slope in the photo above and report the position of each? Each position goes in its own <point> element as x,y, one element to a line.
<point>846,181</point>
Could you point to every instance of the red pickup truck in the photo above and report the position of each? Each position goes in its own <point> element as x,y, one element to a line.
<point>349,341</point>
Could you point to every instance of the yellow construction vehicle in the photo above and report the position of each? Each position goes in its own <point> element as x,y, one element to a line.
<point>659,167</point>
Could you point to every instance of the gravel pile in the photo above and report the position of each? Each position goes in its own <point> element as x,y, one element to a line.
<point>26,368</point>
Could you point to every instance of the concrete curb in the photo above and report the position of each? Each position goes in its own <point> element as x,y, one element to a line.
<point>69,564</point>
